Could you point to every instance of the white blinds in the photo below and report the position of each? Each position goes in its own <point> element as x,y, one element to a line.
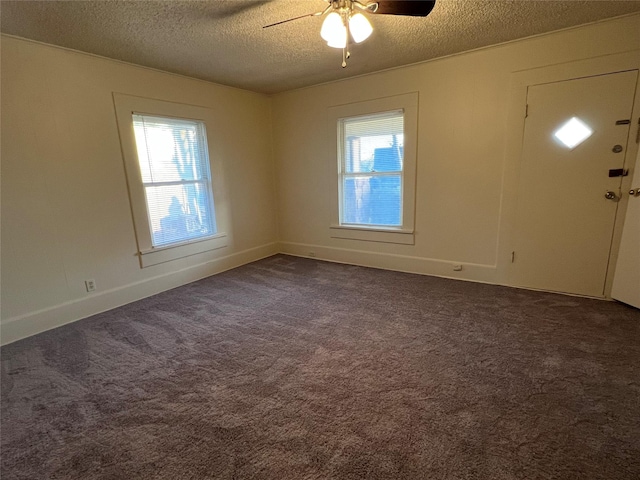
<point>387,123</point>
<point>174,166</point>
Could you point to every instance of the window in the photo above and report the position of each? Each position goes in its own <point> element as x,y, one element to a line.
<point>174,166</point>
<point>371,169</point>
<point>173,178</point>
<point>375,144</point>
<point>573,132</point>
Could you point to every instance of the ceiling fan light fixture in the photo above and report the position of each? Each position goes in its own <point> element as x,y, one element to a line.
<point>344,16</point>
<point>333,31</point>
<point>359,27</point>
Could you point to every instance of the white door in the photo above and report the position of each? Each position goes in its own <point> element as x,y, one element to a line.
<point>626,282</point>
<point>565,222</point>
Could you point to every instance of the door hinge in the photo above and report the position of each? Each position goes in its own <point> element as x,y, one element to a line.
<point>526,110</point>
<point>638,132</point>
<point>513,257</point>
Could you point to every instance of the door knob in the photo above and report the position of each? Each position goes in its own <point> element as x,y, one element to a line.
<point>611,196</point>
<point>634,192</point>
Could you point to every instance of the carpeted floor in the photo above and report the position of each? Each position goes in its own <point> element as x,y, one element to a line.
<point>292,369</point>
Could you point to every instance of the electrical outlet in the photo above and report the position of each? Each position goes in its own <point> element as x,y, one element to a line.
<point>457,267</point>
<point>90,285</point>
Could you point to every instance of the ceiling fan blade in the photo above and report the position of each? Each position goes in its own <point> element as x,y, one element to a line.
<point>413,8</point>
<point>298,18</point>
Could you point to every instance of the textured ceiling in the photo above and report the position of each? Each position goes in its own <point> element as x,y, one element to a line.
<point>223,40</point>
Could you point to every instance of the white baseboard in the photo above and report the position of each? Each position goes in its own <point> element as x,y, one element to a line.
<point>23,326</point>
<point>17,328</point>
<point>399,263</point>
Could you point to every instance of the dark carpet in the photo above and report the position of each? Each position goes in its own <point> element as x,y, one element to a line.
<point>292,368</point>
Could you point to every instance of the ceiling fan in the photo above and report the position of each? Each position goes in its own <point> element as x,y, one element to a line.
<point>345,19</point>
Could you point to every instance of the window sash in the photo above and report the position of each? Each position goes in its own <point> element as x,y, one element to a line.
<point>191,226</point>
<point>385,218</point>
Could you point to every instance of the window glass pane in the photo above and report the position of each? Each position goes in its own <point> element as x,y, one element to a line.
<point>373,143</point>
<point>169,150</point>
<point>573,132</point>
<point>372,200</point>
<point>179,213</point>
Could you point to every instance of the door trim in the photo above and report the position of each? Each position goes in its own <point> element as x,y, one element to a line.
<point>520,82</point>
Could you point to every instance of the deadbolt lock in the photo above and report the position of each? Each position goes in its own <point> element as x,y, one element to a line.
<point>616,148</point>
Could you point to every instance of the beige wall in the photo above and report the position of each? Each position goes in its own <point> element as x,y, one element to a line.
<point>465,121</point>
<point>65,207</point>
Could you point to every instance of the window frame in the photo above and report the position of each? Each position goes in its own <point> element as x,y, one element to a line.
<point>403,234</point>
<point>126,106</point>
<point>204,181</point>
<point>343,174</point>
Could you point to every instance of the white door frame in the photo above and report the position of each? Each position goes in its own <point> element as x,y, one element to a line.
<point>520,82</point>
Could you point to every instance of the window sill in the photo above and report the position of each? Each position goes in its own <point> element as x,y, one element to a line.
<point>173,252</point>
<point>373,234</point>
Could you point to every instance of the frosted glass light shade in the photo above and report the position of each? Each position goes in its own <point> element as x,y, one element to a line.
<point>360,27</point>
<point>340,40</point>
<point>334,31</point>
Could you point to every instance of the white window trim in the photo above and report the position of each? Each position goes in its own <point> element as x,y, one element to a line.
<point>403,234</point>
<point>126,106</point>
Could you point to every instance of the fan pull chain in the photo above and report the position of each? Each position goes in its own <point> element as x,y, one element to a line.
<point>345,52</point>
<point>345,55</point>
